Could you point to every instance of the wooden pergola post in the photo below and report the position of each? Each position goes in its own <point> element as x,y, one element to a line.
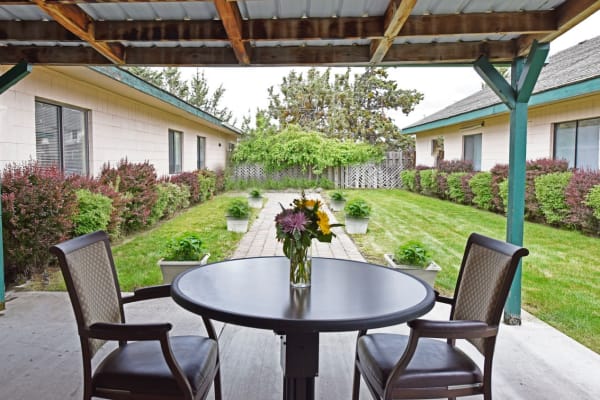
<point>524,75</point>
<point>8,79</point>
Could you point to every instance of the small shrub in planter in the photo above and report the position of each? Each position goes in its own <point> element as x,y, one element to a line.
<point>182,253</point>
<point>238,214</point>
<point>338,201</point>
<point>414,258</point>
<point>357,216</point>
<point>255,198</point>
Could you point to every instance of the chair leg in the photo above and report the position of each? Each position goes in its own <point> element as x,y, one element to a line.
<point>217,385</point>
<point>356,383</point>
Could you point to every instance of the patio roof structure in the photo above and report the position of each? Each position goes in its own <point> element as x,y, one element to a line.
<point>303,32</point>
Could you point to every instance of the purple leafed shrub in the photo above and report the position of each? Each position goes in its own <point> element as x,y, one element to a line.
<point>190,179</point>
<point>451,166</point>
<point>580,213</point>
<point>37,209</point>
<point>499,174</point>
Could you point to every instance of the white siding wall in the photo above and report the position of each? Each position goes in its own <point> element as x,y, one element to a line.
<point>495,133</point>
<point>119,126</point>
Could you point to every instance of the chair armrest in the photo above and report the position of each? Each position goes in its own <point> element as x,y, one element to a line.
<point>147,293</point>
<point>455,329</point>
<point>109,331</point>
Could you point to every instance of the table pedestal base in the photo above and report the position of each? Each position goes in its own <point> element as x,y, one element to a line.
<point>300,365</point>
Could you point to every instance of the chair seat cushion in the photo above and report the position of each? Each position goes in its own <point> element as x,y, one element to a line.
<point>434,363</point>
<point>140,367</point>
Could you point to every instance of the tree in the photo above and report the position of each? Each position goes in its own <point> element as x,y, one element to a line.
<point>196,92</point>
<point>344,108</point>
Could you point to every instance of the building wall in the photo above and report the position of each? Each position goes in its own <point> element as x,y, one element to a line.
<point>119,126</point>
<point>495,132</point>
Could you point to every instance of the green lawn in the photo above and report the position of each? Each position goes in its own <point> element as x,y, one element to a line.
<point>561,276</point>
<point>136,257</point>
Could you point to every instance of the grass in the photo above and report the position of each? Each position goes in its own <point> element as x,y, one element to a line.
<point>561,276</point>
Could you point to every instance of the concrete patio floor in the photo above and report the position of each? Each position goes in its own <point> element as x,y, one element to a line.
<point>41,358</point>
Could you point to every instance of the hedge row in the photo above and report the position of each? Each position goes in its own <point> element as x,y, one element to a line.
<point>554,194</point>
<point>41,206</point>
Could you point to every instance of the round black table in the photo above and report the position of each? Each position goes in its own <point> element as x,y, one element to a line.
<point>345,296</point>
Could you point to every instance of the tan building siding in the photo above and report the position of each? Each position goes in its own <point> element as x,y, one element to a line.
<point>122,122</point>
<point>495,132</point>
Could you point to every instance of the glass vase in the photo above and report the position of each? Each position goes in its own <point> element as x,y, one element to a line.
<point>300,266</point>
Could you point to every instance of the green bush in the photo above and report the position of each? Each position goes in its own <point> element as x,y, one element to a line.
<point>455,190</point>
<point>409,179</point>
<point>206,184</point>
<point>550,194</point>
<point>338,196</point>
<point>429,183</point>
<point>503,193</point>
<point>358,208</point>
<point>171,198</point>
<point>280,183</point>
<point>94,211</point>
<point>186,247</point>
<point>412,253</point>
<point>481,186</point>
<point>238,208</point>
<point>593,200</point>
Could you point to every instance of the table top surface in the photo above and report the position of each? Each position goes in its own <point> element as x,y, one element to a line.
<point>345,295</point>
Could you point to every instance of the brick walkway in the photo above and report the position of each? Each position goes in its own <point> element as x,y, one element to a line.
<point>260,239</point>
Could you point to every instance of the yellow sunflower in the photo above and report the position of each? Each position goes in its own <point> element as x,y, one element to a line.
<point>323,222</point>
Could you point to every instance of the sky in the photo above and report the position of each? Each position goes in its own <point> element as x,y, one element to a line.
<point>246,87</point>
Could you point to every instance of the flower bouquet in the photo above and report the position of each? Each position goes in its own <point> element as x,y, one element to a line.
<point>296,228</point>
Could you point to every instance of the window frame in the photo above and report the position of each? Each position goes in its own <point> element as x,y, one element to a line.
<point>574,162</point>
<point>61,133</point>
<point>201,152</point>
<point>472,136</point>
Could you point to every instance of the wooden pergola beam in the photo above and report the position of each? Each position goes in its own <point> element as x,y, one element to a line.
<point>75,20</point>
<point>396,15</point>
<point>398,54</point>
<point>232,22</point>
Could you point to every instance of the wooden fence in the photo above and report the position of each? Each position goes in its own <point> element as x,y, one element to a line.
<point>385,174</point>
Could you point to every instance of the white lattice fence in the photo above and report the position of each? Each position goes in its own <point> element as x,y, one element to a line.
<point>370,175</point>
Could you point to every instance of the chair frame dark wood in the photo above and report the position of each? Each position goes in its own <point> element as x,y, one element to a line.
<point>124,332</point>
<point>449,330</point>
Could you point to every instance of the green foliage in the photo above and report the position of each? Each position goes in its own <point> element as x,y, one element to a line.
<point>280,183</point>
<point>455,190</point>
<point>429,183</point>
<point>186,247</point>
<point>414,253</point>
<point>408,177</point>
<point>351,108</point>
<point>171,198</point>
<point>358,208</point>
<point>238,208</point>
<point>94,211</point>
<point>503,192</point>
<point>338,196</point>
<point>207,184</point>
<point>481,185</point>
<point>593,200</point>
<point>293,147</point>
<point>255,193</point>
<point>550,194</point>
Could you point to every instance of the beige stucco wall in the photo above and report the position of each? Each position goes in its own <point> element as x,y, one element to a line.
<point>495,132</point>
<point>119,125</point>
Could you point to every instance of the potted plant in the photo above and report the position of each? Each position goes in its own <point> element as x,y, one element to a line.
<point>255,199</point>
<point>181,253</point>
<point>357,216</point>
<point>238,215</point>
<point>414,258</point>
<point>338,201</point>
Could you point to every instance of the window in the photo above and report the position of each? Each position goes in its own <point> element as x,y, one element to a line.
<point>578,143</point>
<point>61,137</point>
<point>472,150</point>
<point>201,149</point>
<point>175,157</point>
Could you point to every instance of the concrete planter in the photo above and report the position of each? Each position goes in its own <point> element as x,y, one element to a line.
<point>170,269</point>
<point>427,274</point>
<point>356,225</point>
<point>237,224</point>
<point>337,205</point>
<point>255,202</point>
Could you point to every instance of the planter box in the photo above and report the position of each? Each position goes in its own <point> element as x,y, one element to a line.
<point>356,225</point>
<point>337,205</point>
<point>428,274</point>
<point>255,202</point>
<point>237,224</point>
<point>170,269</point>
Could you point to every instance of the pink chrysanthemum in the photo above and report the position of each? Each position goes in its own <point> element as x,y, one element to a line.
<point>293,222</point>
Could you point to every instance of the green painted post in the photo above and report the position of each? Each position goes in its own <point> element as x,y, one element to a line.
<point>516,192</point>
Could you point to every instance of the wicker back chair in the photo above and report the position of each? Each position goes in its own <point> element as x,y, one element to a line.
<point>420,366</point>
<point>148,363</point>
